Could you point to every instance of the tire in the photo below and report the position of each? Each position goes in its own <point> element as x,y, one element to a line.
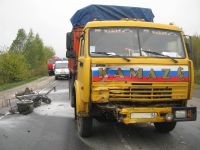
<point>75,114</point>
<point>74,104</point>
<point>30,110</point>
<point>164,127</point>
<point>37,103</point>
<point>25,107</point>
<point>84,126</point>
<point>51,73</point>
<point>73,99</point>
<point>101,119</point>
<point>72,93</point>
<point>46,100</point>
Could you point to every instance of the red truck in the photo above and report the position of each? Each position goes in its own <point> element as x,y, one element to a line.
<point>50,65</point>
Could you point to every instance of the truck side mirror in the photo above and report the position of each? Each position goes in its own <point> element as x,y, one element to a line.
<point>68,40</point>
<point>188,43</point>
<point>70,54</point>
<point>69,45</point>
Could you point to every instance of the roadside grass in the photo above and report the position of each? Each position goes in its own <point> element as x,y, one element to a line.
<point>7,86</point>
<point>197,78</point>
<point>197,86</point>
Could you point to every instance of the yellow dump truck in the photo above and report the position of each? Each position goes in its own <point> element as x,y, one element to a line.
<point>128,69</point>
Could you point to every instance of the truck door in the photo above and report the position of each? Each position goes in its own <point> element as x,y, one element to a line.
<point>83,72</point>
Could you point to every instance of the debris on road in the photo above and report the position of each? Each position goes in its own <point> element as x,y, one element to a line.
<point>25,107</point>
<point>28,100</point>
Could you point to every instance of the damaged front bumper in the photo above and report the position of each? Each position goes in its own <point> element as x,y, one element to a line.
<point>143,114</point>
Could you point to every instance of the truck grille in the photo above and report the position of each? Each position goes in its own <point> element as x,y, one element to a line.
<point>147,92</point>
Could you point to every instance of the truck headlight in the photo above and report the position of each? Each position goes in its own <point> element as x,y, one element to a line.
<point>169,117</point>
<point>57,72</point>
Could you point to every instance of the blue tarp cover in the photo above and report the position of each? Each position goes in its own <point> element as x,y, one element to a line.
<point>110,12</point>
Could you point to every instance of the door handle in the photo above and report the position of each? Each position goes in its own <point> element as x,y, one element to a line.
<point>81,64</point>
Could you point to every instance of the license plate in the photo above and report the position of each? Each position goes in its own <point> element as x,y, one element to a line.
<point>143,115</point>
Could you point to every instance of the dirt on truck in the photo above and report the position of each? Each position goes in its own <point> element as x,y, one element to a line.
<point>127,68</point>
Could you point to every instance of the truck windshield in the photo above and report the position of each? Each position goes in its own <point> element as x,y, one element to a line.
<point>133,42</point>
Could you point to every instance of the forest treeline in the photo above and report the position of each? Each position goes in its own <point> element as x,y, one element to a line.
<point>26,57</point>
<point>196,56</point>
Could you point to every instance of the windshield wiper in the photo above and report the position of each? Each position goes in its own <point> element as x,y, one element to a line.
<point>156,53</point>
<point>111,54</point>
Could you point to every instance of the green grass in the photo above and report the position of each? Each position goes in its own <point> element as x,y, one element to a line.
<point>197,76</point>
<point>15,84</point>
<point>197,86</point>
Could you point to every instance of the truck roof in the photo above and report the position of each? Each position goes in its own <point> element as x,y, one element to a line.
<point>132,23</point>
<point>110,12</point>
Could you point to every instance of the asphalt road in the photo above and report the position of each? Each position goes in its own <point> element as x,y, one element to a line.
<point>52,127</point>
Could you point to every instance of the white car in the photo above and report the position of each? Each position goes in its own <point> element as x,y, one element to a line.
<point>61,69</point>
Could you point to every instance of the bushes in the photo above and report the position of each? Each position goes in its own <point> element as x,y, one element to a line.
<point>196,56</point>
<point>197,76</point>
<point>13,67</point>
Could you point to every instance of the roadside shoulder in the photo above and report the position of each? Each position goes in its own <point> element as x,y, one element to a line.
<point>35,85</point>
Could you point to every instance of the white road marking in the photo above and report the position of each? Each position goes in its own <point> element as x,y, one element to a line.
<point>56,92</point>
<point>4,115</point>
<point>44,89</point>
<point>62,91</point>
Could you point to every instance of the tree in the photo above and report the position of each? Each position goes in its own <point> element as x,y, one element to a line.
<point>26,57</point>
<point>36,54</point>
<point>196,50</point>
<point>48,52</point>
<point>13,67</point>
<point>33,50</point>
<point>18,43</point>
<point>195,56</point>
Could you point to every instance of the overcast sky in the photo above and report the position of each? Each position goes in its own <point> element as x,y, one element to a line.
<point>51,18</point>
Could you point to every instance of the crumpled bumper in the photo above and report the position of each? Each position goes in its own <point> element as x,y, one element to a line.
<point>143,114</point>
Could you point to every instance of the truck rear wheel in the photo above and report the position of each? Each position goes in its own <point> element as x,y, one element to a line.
<point>84,126</point>
<point>72,93</point>
<point>165,127</point>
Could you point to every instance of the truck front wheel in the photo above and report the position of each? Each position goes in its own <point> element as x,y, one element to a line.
<point>164,127</point>
<point>84,126</point>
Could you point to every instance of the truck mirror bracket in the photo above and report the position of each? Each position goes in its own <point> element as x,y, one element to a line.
<point>70,54</point>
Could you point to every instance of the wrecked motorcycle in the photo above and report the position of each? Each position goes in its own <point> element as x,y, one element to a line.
<point>30,99</point>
